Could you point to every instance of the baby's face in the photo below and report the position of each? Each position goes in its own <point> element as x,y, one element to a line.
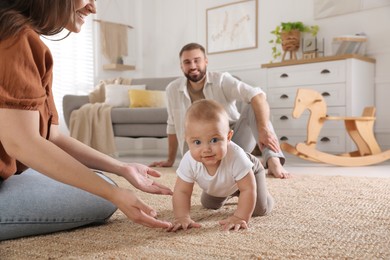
<point>207,141</point>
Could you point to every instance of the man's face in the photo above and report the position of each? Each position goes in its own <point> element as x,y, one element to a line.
<point>193,63</point>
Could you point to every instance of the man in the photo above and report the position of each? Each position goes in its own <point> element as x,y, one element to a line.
<point>251,126</point>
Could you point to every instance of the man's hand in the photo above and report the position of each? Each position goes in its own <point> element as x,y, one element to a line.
<point>138,175</point>
<point>161,164</point>
<point>172,151</point>
<point>268,139</point>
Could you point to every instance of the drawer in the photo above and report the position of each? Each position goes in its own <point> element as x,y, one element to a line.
<point>307,74</point>
<point>334,95</point>
<point>282,118</point>
<point>328,140</point>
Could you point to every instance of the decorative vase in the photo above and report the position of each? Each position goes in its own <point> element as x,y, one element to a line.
<point>290,43</point>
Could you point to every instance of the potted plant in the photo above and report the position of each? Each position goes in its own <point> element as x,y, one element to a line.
<point>288,36</point>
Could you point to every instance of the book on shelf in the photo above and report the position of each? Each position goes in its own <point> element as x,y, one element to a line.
<point>350,44</point>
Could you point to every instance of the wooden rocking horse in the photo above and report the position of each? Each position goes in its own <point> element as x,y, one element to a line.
<point>360,129</point>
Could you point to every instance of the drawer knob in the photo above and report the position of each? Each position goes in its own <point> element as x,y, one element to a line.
<point>325,94</point>
<point>325,139</point>
<point>284,75</point>
<point>284,138</point>
<point>325,71</point>
<point>284,96</point>
<point>284,118</point>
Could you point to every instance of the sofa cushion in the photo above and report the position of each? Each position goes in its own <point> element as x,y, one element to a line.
<point>117,94</point>
<point>147,98</point>
<point>142,115</point>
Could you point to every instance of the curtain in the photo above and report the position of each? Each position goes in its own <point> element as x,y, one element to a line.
<point>73,65</point>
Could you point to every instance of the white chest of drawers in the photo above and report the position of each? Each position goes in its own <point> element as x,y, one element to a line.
<point>346,83</point>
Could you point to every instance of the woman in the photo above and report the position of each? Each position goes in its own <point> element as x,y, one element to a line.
<point>32,147</point>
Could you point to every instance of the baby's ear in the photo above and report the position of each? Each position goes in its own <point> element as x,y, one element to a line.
<point>230,135</point>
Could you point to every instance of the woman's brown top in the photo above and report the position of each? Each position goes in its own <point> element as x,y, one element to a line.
<point>26,72</point>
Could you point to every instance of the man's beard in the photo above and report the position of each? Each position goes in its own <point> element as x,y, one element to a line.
<point>197,78</point>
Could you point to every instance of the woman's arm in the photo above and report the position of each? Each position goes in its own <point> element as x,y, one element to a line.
<point>136,174</point>
<point>83,153</point>
<point>21,140</point>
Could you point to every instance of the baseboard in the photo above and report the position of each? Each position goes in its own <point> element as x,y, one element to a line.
<point>141,146</point>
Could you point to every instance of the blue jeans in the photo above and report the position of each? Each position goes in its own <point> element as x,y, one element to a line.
<point>33,204</point>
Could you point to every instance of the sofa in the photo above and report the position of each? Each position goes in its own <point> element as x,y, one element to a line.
<point>130,121</point>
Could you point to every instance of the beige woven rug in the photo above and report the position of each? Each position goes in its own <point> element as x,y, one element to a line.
<point>315,217</point>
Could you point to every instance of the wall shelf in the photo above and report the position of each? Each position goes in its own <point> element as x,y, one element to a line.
<point>318,59</point>
<point>119,67</point>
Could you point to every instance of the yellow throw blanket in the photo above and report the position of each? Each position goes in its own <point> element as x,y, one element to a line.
<point>91,124</point>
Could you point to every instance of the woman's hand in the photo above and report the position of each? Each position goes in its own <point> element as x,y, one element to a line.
<point>234,223</point>
<point>138,175</point>
<point>183,223</point>
<point>137,211</point>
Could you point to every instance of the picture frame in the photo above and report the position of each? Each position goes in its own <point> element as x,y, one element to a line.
<point>327,8</point>
<point>232,27</point>
<point>309,44</point>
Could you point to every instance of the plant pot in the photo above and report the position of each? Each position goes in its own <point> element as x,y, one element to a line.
<point>291,40</point>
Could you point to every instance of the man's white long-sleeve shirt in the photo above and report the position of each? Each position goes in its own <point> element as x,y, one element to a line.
<point>221,87</point>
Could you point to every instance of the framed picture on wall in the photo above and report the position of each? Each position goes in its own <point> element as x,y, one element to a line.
<point>232,27</point>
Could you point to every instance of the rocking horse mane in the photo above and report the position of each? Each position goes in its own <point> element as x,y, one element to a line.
<point>315,103</point>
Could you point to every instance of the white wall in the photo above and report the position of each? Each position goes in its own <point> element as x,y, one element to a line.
<point>163,27</point>
<point>122,12</point>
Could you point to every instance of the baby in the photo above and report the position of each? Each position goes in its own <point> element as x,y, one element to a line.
<point>220,167</point>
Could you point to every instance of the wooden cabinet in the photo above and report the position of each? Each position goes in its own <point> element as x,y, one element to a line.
<point>346,82</point>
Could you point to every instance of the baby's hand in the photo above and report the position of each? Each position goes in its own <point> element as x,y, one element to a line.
<point>183,223</point>
<point>234,223</point>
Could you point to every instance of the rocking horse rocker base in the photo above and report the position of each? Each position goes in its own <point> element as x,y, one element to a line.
<point>360,129</point>
<point>306,152</point>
